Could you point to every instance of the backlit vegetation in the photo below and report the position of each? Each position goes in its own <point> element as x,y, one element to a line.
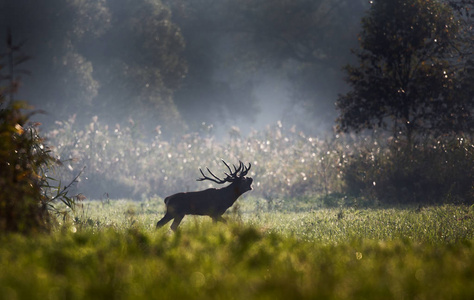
<point>286,164</point>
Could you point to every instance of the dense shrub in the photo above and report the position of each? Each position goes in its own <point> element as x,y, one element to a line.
<point>27,194</point>
<point>431,171</point>
<point>20,194</point>
<point>24,202</point>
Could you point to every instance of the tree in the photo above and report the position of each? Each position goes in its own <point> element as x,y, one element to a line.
<point>116,59</point>
<point>237,46</point>
<point>464,11</point>
<point>407,79</point>
<point>308,41</point>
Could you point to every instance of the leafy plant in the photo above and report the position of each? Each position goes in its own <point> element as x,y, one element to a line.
<point>26,193</point>
<point>21,203</point>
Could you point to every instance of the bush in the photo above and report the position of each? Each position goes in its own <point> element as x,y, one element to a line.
<point>23,157</point>
<point>430,172</point>
<point>28,195</point>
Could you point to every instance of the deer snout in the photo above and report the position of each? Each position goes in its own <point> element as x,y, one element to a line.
<point>250,180</point>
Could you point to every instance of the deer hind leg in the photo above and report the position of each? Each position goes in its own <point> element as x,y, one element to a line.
<point>168,217</point>
<point>176,221</point>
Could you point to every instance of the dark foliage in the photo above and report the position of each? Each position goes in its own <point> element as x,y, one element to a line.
<point>407,80</point>
<point>119,59</point>
<point>22,206</point>
<point>236,48</point>
<point>27,197</point>
<point>434,172</point>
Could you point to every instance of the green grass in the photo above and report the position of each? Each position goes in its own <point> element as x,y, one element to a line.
<point>111,251</point>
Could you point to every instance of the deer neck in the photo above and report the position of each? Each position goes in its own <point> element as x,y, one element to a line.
<point>233,192</point>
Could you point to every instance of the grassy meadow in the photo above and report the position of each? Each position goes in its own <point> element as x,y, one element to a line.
<point>110,250</point>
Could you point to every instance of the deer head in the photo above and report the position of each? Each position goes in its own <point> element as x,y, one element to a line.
<point>235,177</point>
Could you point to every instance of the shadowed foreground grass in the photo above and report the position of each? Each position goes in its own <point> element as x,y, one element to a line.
<point>241,260</point>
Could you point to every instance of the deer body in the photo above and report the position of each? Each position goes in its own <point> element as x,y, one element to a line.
<point>210,202</point>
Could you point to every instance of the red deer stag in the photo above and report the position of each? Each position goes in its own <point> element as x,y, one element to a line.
<point>210,202</point>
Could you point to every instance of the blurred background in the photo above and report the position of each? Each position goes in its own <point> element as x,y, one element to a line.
<point>181,64</point>
<point>140,94</point>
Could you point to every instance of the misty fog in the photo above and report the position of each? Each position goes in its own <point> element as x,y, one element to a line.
<point>179,64</point>
<point>138,92</point>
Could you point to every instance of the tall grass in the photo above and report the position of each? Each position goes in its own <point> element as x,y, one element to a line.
<point>286,164</point>
<point>434,225</point>
<point>112,251</point>
<point>123,163</point>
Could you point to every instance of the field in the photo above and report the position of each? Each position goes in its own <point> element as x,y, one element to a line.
<point>110,250</point>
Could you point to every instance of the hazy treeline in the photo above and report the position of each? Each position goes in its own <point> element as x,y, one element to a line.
<point>180,63</point>
<point>117,58</point>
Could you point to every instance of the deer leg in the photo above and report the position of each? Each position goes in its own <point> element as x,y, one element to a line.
<point>176,222</point>
<point>168,217</point>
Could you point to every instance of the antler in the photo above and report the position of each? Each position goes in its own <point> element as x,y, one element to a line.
<point>230,177</point>
<point>216,180</point>
<point>246,170</point>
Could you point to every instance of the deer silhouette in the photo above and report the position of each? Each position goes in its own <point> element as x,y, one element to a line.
<point>211,202</point>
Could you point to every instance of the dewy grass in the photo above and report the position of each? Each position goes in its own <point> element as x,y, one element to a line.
<point>437,224</point>
<point>111,251</point>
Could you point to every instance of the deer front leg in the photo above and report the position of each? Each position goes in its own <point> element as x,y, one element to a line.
<point>176,222</point>
<point>168,217</point>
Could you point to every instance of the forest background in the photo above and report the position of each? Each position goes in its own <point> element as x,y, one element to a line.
<point>138,95</point>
